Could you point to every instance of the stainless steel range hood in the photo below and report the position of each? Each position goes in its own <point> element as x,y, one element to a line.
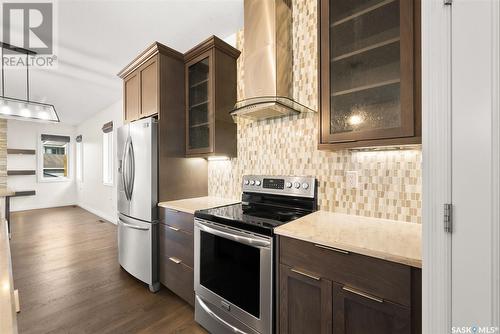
<point>268,61</point>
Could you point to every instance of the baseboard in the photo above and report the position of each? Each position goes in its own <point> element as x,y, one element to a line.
<point>109,218</point>
<point>38,207</point>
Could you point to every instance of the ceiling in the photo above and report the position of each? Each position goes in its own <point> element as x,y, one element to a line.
<point>96,39</point>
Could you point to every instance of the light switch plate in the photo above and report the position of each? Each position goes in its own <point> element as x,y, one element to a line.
<point>352,179</point>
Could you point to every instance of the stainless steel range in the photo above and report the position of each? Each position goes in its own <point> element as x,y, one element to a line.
<point>234,253</point>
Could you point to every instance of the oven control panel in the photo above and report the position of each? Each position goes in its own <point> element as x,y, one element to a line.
<point>303,186</point>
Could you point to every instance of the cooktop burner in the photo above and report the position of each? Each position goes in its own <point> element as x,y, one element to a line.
<point>265,208</point>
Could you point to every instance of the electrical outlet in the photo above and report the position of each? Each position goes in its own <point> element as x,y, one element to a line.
<point>352,179</point>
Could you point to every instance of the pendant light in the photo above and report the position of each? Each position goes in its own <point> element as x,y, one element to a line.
<point>24,109</point>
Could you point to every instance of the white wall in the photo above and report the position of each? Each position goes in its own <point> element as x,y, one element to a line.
<point>24,135</point>
<point>91,193</point>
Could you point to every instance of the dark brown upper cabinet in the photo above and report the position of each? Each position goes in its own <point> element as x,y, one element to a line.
<point>210,76</point>
<point>369,74</point>
<point>142,91</point>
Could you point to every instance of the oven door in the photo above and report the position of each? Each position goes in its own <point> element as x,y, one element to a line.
<point>233,279</point>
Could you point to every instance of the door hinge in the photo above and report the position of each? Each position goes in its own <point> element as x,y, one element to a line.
<point>448,218</point>
<point>448,2</point>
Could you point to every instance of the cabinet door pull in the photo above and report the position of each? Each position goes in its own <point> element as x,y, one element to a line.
<point>173,228</point>
<point>362,294</point>
<point>16,301</point>
<point>342,141</point>
<point>175,260</point>
<point>333,249</point>
<point>316,278</point>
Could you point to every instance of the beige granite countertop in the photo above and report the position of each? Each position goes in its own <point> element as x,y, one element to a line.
<point>8,321</point>
<point>4,192</point>
<point>385,239</point>
<point>190,205</point>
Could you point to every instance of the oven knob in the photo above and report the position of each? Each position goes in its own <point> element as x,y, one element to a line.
<point>252,182</point>
<point>296,185</point>
<point>289,184</point>
<point>305,185</point>
<point>257,183</point>
<point>246,182</point>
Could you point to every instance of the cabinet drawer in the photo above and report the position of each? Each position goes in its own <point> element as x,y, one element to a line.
<point>176,243</point>
<point>178,277</point>
<point>384,279</point>
<point>177,219</point>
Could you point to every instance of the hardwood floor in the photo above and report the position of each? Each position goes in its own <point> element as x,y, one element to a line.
<point>65,264</point>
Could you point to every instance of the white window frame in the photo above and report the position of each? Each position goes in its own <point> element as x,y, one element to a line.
<point>40,154</point>
<point>107,158</point>
<point>79,161</point>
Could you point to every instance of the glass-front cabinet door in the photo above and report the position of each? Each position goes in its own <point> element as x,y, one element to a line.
<point>198,99</point>
<point>367,70</point>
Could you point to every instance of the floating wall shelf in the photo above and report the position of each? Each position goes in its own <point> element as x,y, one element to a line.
<point>20,151</point>
<point>24,193</point>
<point>21,172</point>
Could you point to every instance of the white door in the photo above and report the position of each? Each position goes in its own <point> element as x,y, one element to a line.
<point>473,282</point>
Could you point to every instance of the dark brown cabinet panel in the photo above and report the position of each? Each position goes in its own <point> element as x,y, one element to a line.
<point>328,290</point>
<point>177,219</point>
<point>356,312</point>
<point>305,303</point>
<point>177,243</point>
<point>178,277</point>
<point>369,73</point>
<point>378,277</point>
<point>131,97</point>
<point>177,252</point>
<point>210,76</point>
<point>145,82</point>
<point>149,76</point>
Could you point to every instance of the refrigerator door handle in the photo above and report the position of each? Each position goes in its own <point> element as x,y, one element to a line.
<point>132,169</point>
<point>134,226</point>
<point>125,170</point>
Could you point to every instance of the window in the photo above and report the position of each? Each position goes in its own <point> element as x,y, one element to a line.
<point>54,158</point>
<point>107,158</point>
<point>79,159</point>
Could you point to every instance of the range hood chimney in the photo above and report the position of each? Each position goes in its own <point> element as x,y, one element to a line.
<point>268,62</point>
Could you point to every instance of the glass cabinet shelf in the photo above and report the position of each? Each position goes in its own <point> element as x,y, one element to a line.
<point>210,96</point>
<point>367,50</point>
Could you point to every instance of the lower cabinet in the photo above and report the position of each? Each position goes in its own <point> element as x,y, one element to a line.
<point>305,303</point>
<point>329,291</point>
<point>176,253</point>
<point>355,312</point>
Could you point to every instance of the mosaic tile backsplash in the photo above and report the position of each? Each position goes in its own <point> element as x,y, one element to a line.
<point>389,183</point>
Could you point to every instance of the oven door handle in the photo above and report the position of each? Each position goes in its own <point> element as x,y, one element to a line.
<point>216,317</point>
<point>235,236</point>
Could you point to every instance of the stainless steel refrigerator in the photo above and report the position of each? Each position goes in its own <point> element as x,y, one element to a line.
<point>137,200</point>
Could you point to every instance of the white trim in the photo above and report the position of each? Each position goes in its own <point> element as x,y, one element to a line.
<point>436,169</point>
<point>495,160</point>
<point>39,207</point>
<point>111,219</point>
